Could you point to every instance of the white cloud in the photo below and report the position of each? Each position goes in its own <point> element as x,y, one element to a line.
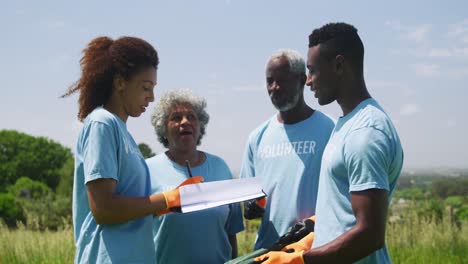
<point>458,73</point>
<point>57,63</point>
<point>414,33</point>
<point>384,84</point>
<point>249,88</point>
<point>418,34</point>
<point>391,85</point>
<point>410,109</point>
<point>455,46</point>
<point>443,53</point>
<point>426,70</point>
<point>440,53</point>
<point>213,76</point>
<point>465,39</point>
<point>459,29</point>
<point>451,122</point>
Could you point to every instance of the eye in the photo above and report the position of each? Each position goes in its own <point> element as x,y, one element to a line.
<point>192,117</point>
<point>176,118</point>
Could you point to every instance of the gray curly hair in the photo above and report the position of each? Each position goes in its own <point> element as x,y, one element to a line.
<point>295,60</point>
<point>172,99</point>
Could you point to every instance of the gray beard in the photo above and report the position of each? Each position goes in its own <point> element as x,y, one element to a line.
<point>288,105</point>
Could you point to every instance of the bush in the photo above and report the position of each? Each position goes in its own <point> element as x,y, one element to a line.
<point>29,189</point>
<point>42,209</point>
<point>37,158</point>
<point>10,211</point>
<point>47,213</point>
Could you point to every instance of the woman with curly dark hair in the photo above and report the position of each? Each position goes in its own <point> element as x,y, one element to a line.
<point>112,201</point>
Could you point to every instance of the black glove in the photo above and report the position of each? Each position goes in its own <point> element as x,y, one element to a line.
<point>253,210</point>
<point>296,233</point>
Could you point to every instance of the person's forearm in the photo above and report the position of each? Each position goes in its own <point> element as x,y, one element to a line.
<point>355,244</point>
<point>119,209</point>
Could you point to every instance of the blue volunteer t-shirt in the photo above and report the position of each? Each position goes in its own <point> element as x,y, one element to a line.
<point>105,149</point>
<point>364,152</point>
<point>196,237</point>
<point>287,159</point>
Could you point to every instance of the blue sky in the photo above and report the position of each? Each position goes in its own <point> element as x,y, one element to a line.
<point>416,64</point>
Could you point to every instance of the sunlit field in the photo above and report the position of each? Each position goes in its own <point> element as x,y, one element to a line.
<point>25,246</point>
<point>413,240</point>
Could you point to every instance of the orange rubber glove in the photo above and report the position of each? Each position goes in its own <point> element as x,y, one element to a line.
<point>173,196</point>
<point>261,202</point>
<point>277,257</point>
<point>302,245</point>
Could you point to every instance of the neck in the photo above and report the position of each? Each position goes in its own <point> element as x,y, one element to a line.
<point>353,95</point>
<point>297,114</point>
<point>194,156</point>
<point>114,106</point>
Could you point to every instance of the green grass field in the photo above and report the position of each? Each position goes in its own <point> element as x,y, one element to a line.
<point>26,246</point>
<point>411,241</point>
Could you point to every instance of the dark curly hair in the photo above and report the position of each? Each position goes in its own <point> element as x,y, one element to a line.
<point>339,39</point>
<point>103,59</point>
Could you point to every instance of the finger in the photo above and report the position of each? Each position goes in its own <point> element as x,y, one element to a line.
<point>163,212</point>
<point>288,249</point>
<point>192,180</point>
<point>261,258</point>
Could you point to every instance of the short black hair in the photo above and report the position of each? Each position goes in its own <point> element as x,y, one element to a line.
<point>339,39</point>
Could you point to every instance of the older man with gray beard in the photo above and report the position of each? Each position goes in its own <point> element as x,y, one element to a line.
<point>286,150</point>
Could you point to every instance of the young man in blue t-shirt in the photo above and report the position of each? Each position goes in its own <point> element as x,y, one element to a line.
<point>361,163</point>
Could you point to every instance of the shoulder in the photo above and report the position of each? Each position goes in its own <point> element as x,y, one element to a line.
<point>372,115</point>
<point>101,115</point>
<point>219,165</point>
<point>214,159</point>
<point>257,133</point>
<point>156,160</point>
<point>323,119</point>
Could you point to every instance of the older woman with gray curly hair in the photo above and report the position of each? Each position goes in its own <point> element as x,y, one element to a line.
<point>207,236</point>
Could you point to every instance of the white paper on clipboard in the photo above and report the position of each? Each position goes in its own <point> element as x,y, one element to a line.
<point>200,196</point>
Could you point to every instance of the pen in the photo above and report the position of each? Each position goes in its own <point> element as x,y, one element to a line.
<point>187,164</point>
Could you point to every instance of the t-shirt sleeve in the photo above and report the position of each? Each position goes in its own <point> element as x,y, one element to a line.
<point>247,170</point>
<point>100,153</point>
<point>367,157</point>
<point>235,223</point>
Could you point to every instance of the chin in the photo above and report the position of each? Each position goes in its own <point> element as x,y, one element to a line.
<point>325,101</point>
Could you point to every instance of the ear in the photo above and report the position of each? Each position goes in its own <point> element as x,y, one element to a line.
<point>119,83</point>
<point>303,79</point>
<point>339,64</point>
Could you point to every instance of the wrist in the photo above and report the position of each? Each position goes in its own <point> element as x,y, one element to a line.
<point>172,198</point>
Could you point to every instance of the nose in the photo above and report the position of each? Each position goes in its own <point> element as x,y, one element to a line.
<point>151,97</point>
<point>274,86</point>
<point>184,120</point>
<point>309,80</point>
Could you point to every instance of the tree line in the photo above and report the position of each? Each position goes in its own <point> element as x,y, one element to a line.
<point>36,184</point>
<point>36,180</point>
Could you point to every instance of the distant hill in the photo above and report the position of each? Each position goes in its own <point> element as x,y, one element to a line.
<point>436,172</point>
